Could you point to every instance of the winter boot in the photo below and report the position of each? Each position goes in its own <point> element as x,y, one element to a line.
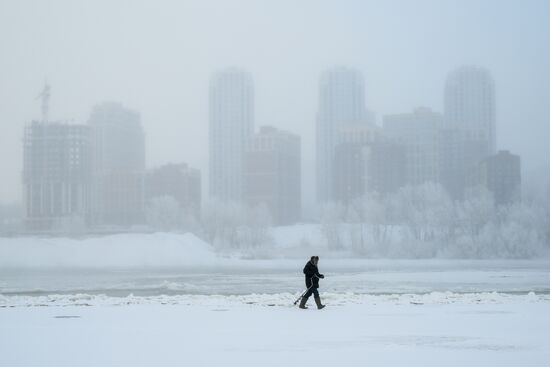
<point>318,302</point>
<point>303,303</point>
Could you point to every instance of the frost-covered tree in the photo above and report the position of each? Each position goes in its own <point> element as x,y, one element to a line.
<point>221,222</point>
<point>256,231</point>
<point>426,211</point>
<point>476,211</point>
<point>356,228</point>
<point>230,225</point>
<point>520,232</point>
<point>368,224</point>
<point>332,224</point>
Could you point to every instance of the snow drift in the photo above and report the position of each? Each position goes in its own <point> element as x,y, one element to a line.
<point>120,250</point>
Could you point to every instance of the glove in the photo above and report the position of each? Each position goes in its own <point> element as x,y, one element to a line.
<point>321,276</point>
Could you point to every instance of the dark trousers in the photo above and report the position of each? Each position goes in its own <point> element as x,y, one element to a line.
<point>311,291</point>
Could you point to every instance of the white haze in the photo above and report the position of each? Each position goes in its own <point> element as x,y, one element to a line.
<point>157,57</point>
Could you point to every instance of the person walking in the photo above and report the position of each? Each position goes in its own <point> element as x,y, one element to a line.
<point>312,276</point>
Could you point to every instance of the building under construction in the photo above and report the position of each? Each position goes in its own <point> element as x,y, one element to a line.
<point>56,175</point>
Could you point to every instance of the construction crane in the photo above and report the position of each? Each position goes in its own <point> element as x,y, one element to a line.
<point>45,96</point>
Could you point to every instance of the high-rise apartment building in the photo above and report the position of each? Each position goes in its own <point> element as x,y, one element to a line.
<point>118,165</point>
<point>231,124</point>
<point>470,103</point>
<point>469,133</point>
<point>341,104</point>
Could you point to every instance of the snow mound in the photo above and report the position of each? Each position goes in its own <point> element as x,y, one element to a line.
<point>278,299</point>
<point>120,250</point>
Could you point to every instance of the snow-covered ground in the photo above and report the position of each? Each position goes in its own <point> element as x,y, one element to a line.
<point>413,330</point>
<point>170,300</point>
<point>120,250</point>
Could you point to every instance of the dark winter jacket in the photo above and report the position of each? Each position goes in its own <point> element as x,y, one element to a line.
<point>312,275</point>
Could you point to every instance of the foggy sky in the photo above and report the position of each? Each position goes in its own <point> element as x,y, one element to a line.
<point>157,57</point>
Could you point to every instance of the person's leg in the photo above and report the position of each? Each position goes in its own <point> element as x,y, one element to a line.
<point>317,299</point>
<point>306,296</point>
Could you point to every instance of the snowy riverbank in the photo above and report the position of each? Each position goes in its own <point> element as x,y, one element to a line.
<point>415,330</point>
<point>279,299</point>
<point>172,300</point>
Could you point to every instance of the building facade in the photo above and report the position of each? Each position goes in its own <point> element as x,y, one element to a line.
<point>272,174</point>
<point>366,161</point>
<point>341,104</point>
<point>231,124</point>
<point>460,151</point>
<point>178,181</point>
<point>56,175</point>
<point>501,174</point>
<point>349,178</point>
<point>118,166</point>
<point>418,132</point>
<point>469,133</point>
<point>470,103</point>
<point>386,167</point>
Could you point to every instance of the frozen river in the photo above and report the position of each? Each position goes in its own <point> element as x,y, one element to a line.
<point>239,277</point>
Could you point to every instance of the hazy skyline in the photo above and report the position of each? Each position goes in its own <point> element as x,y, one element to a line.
<point>158,57</point>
